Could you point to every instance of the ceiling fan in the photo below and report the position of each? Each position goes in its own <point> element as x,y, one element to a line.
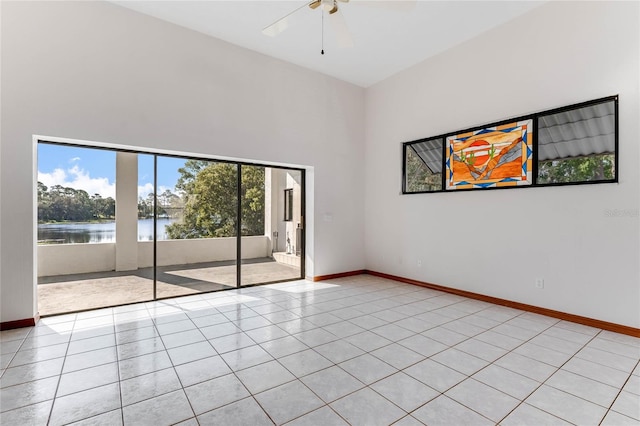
<point>336,19</point>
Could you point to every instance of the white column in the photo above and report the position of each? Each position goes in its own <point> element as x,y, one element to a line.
<point>126,211</point>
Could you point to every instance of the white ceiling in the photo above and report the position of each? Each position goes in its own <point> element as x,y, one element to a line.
<point>387,38</point>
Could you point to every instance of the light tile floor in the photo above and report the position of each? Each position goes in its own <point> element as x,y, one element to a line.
<point>359,350</point>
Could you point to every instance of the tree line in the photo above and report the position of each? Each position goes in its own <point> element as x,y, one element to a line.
<point>169,205</point>
<point>60,203</point>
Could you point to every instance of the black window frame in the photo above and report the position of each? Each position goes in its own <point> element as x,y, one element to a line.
<point>405,149</point>
<point>534,117</point>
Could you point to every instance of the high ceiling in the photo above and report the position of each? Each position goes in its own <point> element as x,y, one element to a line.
<point>388,36</point>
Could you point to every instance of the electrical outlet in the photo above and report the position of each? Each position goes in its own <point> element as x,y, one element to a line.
<point>540,283</point>
<point>419,263</point>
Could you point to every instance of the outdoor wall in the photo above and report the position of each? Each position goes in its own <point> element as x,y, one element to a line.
<point>498,242</point>
<point>293,181</point>
<point>65,259</point>
<point>276,181</point>
<point>181,252</point>
<point>97,72</point>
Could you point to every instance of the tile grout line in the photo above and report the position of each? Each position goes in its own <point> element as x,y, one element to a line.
<point>550,376</point>
<point>53,401</point>
<point>173,368</point>
<point>368,386</point>
<point>230,369</point>
<point>620,390</point>
<point>443,393</point>
<point>490,363</point>
<point>115,339</point>
<point>371,330</point>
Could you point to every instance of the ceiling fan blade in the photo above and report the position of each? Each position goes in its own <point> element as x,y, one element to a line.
<point>283,23</point>
<point>343,35</point>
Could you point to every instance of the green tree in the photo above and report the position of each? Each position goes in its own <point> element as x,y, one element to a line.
<point>63,203</point>
<point>252,200</point>
<point>109,208</point>
<point>581,169</point>
<point>103,208</point>
<point>419,177</point>
<point>209,193</point>
<point>169,204</point>
<point>144,210</point>
<point>43,201</point>
<point>145,205</point>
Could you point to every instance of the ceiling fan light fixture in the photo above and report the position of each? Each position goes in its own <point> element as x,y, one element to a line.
<point>334,10</point>
<point>327,5</point>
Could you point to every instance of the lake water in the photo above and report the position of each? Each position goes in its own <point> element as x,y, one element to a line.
<point>99,232</point>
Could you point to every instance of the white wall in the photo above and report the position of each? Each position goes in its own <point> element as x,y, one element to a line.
<point>558,54</point>
<point>95,71</point>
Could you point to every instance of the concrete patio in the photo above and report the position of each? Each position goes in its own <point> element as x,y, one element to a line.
<point>69,293</point>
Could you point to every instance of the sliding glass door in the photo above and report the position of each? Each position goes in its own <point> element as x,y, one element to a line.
<point>271,225</point>
<point>92,220</point>
<point>118,227</point>
<point>196,226</point>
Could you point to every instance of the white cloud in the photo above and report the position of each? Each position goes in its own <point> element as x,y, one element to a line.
<point>78,178</point>
<point>144,190</point>
<point>74,159</point>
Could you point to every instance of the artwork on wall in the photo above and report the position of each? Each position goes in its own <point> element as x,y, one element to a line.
<point>496,156</point>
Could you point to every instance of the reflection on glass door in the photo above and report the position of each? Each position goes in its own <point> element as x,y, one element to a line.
<point>196,226</point>
<point>272,243</point>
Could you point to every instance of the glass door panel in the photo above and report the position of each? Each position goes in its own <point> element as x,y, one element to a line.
<point>88,213</point>
<point>196,226</point>
<point>271,224</point>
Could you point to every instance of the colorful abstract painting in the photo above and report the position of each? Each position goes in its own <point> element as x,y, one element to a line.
<point>490,157</point>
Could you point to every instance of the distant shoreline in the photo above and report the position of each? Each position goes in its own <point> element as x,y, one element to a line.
<point>80,222</point>
<point>55,222</point>
<point>96,231</point>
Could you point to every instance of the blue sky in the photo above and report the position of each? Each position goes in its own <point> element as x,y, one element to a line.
<point>94,170</point>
